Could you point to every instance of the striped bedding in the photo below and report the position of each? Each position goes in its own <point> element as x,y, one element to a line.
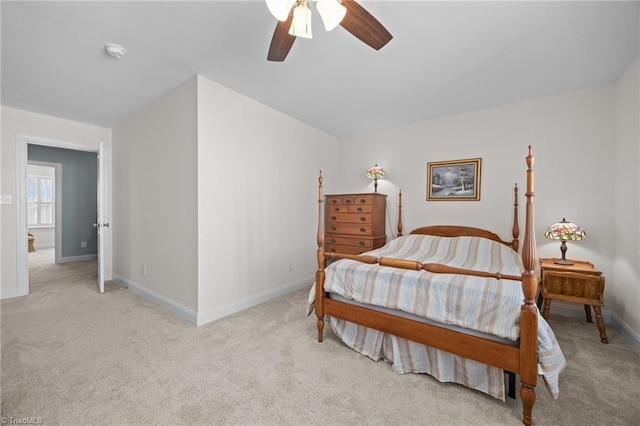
<point>485,305</point>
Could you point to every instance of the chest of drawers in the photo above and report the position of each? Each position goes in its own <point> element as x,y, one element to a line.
<point>355,223</point>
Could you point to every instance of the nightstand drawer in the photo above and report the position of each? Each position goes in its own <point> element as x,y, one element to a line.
<point>573,286</point>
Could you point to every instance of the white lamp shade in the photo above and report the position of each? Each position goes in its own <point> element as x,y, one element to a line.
<point>331,12</point>
<point>301,25</point>
<point>280,8</point>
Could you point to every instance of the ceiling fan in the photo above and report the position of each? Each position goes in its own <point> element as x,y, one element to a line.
<point>294,20</point>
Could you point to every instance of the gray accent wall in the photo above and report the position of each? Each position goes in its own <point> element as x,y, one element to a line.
<point>79,196</point>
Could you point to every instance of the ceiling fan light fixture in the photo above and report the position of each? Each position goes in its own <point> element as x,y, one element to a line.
<point>331,12</point>
<point>280,8</point>
<point>301,24</point>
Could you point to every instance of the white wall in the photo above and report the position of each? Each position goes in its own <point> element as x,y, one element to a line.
<point>155,200</point>
<point>623,295</point>
<point>17,122</point>
<point>257,200</point>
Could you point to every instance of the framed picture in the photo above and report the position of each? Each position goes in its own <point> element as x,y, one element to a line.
<point>457,180</point>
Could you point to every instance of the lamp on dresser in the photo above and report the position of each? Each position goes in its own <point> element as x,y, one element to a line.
<point>376,172</point>
<point>565,231</point>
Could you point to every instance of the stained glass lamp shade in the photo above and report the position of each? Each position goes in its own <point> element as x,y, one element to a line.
<point>565,231</point>
<point>376,172</point>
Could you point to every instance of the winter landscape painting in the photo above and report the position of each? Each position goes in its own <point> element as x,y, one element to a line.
<point>457,180</point>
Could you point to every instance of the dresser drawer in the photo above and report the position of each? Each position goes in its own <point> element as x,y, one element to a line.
<point>345,245</point>
<point>349,228</point>
<point>334,248</point>
<point>347,208</point>
<point>345,241</point>
<point>349,217</point>
<point>349,199</point>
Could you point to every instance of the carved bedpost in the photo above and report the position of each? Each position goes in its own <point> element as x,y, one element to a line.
<point>400,213</point>
<point>529,311</point>
<point>320,255</point>
<point>516,229</point>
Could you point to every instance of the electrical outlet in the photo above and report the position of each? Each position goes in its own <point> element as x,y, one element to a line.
<point>6,199</point>
<point>83,244</point>
<point>144,269</point>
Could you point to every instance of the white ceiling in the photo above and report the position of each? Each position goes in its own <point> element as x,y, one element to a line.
<point>445,57</point>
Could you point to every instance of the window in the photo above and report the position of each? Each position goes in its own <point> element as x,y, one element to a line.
<point>40,200</point>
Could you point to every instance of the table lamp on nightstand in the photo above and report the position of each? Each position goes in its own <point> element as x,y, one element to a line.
<point>376,172</point>
<point>565,231</point>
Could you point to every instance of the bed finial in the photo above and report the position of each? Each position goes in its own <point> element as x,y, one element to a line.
<point>400,213</point>
<point>320,236</point>
<point>515,232</point>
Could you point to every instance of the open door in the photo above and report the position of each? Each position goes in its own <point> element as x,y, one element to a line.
<point>101,225</point>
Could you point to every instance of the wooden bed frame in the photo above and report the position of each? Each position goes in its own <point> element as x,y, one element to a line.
<point>521,359</point>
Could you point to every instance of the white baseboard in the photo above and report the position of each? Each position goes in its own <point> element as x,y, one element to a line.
<point>9,294</point>
<point>81,258</point>
<point>176,308</point>
<point>221,311</point>
<point>213,314</point>
<point>573,310</point>
<point>627,332</point>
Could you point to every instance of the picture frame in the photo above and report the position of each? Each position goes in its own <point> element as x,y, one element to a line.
<point>456,180</point>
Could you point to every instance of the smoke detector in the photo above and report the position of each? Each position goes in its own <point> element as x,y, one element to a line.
<point>114,50</point>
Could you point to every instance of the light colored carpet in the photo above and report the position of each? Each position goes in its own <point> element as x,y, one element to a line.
<point>72,356</point>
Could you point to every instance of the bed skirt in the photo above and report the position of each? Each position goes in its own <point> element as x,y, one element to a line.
<point>406,356</point>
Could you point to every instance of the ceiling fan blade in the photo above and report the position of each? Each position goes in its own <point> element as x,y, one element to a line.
<point>364,26</point>
<point>281,41</point>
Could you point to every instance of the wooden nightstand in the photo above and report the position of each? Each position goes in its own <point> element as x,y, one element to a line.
<point>580,283</point>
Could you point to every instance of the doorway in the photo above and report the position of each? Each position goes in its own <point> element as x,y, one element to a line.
<point>88,241</point>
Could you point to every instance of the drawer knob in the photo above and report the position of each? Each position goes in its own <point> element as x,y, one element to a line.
<point>361,243</point>
<point>337,209</point>
<point>333,228</point>
<point>363,219</point>
<point>334,201</point>
<point>333,240</point>
<point>363,229</point>
<point>363,200</point>
<point>333,250</point>
<point>347,201</point>
<point>359,209</point>
<point>333,218</point>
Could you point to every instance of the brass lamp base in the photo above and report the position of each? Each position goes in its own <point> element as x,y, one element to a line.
<point>563,250</point>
